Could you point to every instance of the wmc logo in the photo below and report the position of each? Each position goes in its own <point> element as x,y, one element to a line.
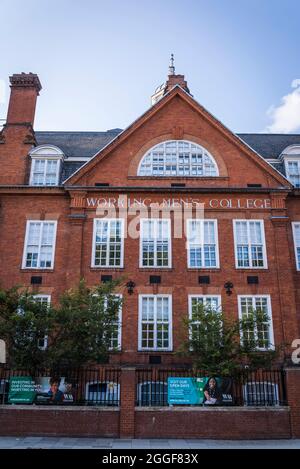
<point>296,353</point>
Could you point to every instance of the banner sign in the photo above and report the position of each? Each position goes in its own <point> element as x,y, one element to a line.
<point>198,391</point>
<point>42,390</point>
<point>21,390</point>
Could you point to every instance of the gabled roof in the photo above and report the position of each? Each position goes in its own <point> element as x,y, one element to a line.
<point>178,91</point>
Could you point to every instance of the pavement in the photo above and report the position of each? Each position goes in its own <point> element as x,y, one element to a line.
<point>31,442</point>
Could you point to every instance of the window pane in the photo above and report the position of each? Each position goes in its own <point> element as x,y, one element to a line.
<point>202,243</point>
<point>155,243</point>
<point>108,243</point>
<point>40,244</point>
<point>296,233</point>
<point>177,158</point>
<point>249,243</point>
<point>155,319</point>
<point>45,172</point>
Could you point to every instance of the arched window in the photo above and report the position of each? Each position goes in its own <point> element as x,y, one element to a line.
<point>291,158</point>
<point>179,158</point>
<point>45,165</point>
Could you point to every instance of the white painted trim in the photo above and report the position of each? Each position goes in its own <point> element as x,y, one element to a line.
<point>119,348</point>
<point>39,252</point>
<point>143,349</point>
<point>291,159</point>
<point>271,330</point>
<point>46,159</point>
<point>265,258</point>
<point>54,151</point>
<point>202,221</point>
<point>286,151</point>
<point>294,225</point>
<point>205,297</point>
<point>41,295</point>
<point>176,176</point>
<point>155,266</point>
<point>109,220</point>
<point>78,159</point>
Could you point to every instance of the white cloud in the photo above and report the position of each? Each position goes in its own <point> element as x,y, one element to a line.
<point>286,117</point>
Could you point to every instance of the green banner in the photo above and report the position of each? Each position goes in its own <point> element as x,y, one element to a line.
<point>21,390</point>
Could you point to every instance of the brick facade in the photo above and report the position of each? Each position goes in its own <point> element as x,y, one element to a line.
<point>226,197</point>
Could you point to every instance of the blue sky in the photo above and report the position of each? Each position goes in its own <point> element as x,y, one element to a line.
<point>99,61</point>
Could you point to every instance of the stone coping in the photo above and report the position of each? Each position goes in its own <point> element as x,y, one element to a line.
<point>59,408</point>
<point>214,409</point>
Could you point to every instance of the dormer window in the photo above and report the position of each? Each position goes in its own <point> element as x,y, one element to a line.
<point>293,172</point>
<point>45,165</point>
<point>179,158</point>
<point>291,158</point>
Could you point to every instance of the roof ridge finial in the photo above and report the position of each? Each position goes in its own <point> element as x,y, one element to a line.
<point>171,66</point>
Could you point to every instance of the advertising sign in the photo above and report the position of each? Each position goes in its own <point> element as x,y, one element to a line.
<point>42,390</point>
<point>198,391</point>
<point>21,390</point>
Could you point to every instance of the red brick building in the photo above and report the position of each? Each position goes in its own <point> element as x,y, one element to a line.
<point>56,187</point>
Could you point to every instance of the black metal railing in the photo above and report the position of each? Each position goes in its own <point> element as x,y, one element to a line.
<point>97,386</point>
<point>248,388</point>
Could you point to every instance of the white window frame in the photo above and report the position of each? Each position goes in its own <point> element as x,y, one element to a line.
<point>264,249</point>
<point>205,298</point>
<point>119,347</point>
<point>155,266</point>
<point>48,297</point>
<point>271,330</point>
<point>258,384</point>
<point>93,258</point>
<point>296,225</point>
<point>46,159</point>
<point>295,159</point>
<point>28,222</point>
<point>202,221</point>
<point>162,158</point>
<point>106,400</point>
<point>152,384</point>
<point>45,153</point>
<point>155,348</point>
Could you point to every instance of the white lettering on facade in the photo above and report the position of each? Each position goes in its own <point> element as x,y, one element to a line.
<point>123,202</point>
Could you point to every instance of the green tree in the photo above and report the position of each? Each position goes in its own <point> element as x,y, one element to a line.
<point>86,321</point>
<point>220,345</point>
<point>24,323</point>
<point>82,329</point>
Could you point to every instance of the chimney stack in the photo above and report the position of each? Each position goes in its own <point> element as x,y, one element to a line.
<point>25,88</point>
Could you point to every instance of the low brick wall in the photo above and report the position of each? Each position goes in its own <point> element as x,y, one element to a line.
<point>59,421</point>
<point>204,422</point>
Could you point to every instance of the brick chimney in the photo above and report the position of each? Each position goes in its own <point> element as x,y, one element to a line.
<point>17,136</point>
<point>25,88</point>
<point>174,80</point>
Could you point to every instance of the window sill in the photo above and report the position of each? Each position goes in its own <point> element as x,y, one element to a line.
<point>203,269</point>
<point>36,269</point>
<point>252,269</point>
<point>156,269</point>
<point>179,178</point>
<point>115,269</point>
<point>147,351</point>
